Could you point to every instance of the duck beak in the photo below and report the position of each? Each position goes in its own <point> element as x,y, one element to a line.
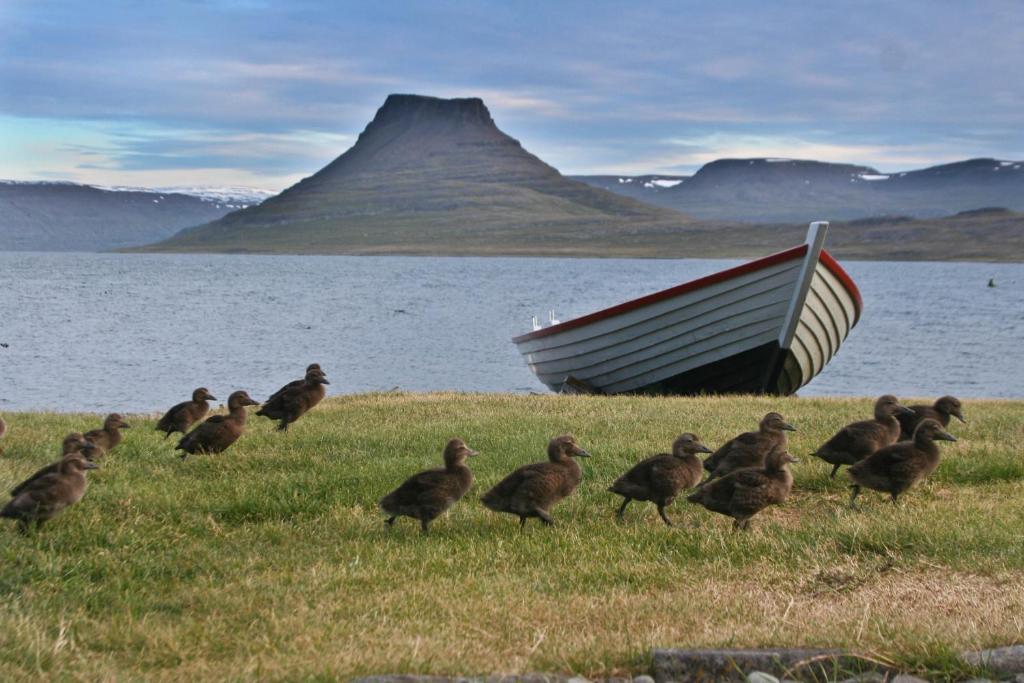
<point>471,453</point>
<point>210,398</point>
<point>788,427</point>
<point>701,448</point>
<point>944,436</point>
<point>324,381</point>
<point>580,453</point>
<point>960,416</point>
<point>906,411</point>
<point>90,465</point>
<point>793,458</point>
<point>125,425</point>
<point>88,444</point>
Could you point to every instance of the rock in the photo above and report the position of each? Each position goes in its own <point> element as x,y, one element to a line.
<point>691,666</point>
<point>761,677</point>
<point>1004,661</point>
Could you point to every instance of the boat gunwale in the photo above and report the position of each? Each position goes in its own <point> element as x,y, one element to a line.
<point>684,288</point>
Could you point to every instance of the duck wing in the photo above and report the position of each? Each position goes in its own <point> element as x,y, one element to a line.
<point>52,468</point>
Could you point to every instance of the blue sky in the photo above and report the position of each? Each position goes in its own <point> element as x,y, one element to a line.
<point>259,93</point>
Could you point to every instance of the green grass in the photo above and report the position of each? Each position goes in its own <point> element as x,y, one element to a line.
<point>271,561</point>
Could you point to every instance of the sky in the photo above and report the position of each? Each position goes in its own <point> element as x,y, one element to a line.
<point>261,94</point>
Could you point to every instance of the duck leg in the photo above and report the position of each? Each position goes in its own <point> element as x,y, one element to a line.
<point>522,521</point>
<point>661,511</point>
<point>895,498</point>
<point>390,521</point>
<point>854,492</point>
<point>424,526</point>
<point>834,470</point>
<point>622,510</point>
<point>545,517</point>
<point>283,427</point>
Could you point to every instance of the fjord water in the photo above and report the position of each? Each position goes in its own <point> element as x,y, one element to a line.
<point>102,332</point>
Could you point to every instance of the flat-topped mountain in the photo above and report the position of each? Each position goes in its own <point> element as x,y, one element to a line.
<point>426,171</point>
<point>61,216</point>
<point>771,190</point>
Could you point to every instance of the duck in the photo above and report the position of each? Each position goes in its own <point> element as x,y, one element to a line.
<point>73,445</point>
<point>749,449</point>
<point>43,498</point>
<point>858,440</point>
<point>743,493</point>
<point>219,431</point>
<point>110,435</point>
<point>291,403</point>
<point>940,411</point>
<point>896,468</point>
<point>532,490</point>
<point>185,414</point>
<point>661,477</point>
<point>296,383</point>
<point>426,495</point>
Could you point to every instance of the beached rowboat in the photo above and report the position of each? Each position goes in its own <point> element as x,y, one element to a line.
<point>767,326</point>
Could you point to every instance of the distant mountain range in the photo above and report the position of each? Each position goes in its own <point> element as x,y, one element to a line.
<point>774,190</point>
<point>48,216</point>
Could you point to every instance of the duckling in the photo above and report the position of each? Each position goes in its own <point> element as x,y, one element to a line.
<point>291,403</point>
<point>296,383</point>
<point>533,489</point>
<point>661,477</point>
<point>424,496</point>
<point>43,498</point>
<point>110,435</point>
<point>749,449</point>
<point>896,468</point>
<point>219,431</point>
<point>858,440</point>
<point>74,445</point>
<point>940,411</point>
<point>743,493</point>
<point>183,415</point>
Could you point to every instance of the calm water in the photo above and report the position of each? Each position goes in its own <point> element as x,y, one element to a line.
<point>138,332</point>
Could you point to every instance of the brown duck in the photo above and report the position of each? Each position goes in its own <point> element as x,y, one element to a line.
<point>110,435</point>
<point>185,414</point>
<point>219,431</point>
<point>532,490</point>
<point>424,496</point>
<point>940,411</point>
<point>74,446</point>
<point>298,382</point>
<point>661,477</point>
<point>858,440</point>
<point>292,402</point>
<point>896,468</point>
<point>750,448</point>
<point>45,497</point>
<point>743,493</point>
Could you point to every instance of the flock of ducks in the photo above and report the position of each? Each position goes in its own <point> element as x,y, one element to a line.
<point>889,453</point>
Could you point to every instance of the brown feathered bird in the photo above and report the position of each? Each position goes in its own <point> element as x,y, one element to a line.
<point>47,496</point>
<point>532,490</point>
<point>424,496</point>
<point>219,431</point>
<point>858,440</point>
<point>110,435</point>
<point>298,382</point>
<point>750,448</point>
<point>661,477</point>
<point>896,468</point>
<point>940,411</point>
<point>183,415</point>
<point>743,493</point>
<point>292,402</point>
<point>74,445</point>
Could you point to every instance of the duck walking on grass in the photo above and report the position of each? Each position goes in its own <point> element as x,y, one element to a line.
<point>44,497</point>
<point>220,431</point>
<point>750,448</point>
<point>896,468</point>
<point>424,496</point>
<point>292,402</point>
<point>298,382</point>
<point>110,435</point>
<point>858,440</point>
<point>74,446</point>
<point>661,477</point>
<point>743,493</point>
<point>532,490</point>
<point>185,414</point>
<point>940,411</point>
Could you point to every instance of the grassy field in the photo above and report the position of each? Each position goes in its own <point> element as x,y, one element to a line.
<point>271,561</point>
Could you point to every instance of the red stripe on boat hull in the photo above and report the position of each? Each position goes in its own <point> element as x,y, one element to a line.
<point>833,266</point>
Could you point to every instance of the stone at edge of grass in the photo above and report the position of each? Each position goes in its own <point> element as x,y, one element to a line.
<point>1004,661</point>
<point>694,666</point>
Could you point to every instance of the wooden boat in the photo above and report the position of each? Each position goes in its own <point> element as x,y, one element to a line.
<point>768,327</point>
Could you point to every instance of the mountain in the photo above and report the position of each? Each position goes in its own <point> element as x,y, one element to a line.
<point>60,216</point>
<point>427,172</point>
<point>773,190</point>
